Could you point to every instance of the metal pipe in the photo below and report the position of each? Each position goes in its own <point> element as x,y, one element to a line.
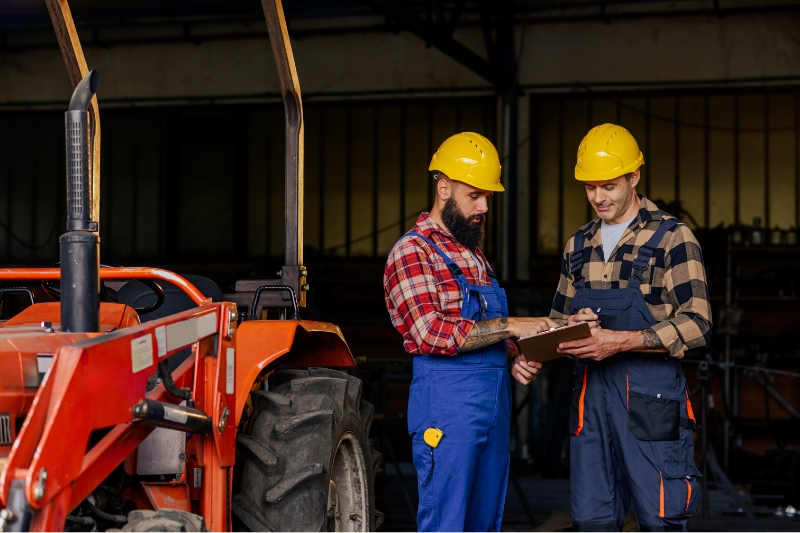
<point>16,290</point>
<point>80,281</point>
<point>167,415</point>
<point>84,91</point>
<point>79,248</point>
<point>38,274</point>
<point>78,139</point>
<point>295,308</point>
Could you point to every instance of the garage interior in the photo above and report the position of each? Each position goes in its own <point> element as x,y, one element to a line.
<point>192,181</point>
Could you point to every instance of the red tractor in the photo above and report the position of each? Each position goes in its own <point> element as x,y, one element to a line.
<point>140,400</point>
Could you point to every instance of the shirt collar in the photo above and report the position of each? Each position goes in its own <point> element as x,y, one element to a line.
<point>426,225</point>
<point>649,211</point>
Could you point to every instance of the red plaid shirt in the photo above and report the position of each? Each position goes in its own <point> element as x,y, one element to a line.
<point>423,297</point>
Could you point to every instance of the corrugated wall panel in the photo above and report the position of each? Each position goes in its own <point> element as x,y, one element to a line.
<point>725,157</point>
<point>184,184</point>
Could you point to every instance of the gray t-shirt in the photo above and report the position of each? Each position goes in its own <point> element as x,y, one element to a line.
<point>610,234</point>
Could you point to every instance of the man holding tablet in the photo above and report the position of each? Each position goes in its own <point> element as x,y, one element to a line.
<point>636,274</point>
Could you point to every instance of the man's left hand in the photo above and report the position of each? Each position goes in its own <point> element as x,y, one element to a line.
<point>525,371</point>
<point>602,344</point>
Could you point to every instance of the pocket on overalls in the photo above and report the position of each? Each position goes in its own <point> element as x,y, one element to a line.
<point>677,490</point>
<point>578,400</point>
<point>652,418</point>
<point>613,306</point>
<point>471,359</point>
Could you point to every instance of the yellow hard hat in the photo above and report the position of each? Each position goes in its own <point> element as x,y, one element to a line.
<point>608,151</point>
<point>471,158</point>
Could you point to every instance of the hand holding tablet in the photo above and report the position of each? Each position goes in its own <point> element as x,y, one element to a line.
<point>542,347</point>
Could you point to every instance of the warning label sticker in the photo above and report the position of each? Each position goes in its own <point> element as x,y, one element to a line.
<point>161,340</point>
<point>230,367</point>
<point>142,352</point>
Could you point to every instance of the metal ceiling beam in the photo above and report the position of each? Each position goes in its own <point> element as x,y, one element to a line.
<point>408,21</point>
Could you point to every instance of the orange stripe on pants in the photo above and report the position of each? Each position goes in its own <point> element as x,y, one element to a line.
<point>689,410</point>
<point>580,404</point>
<point>688,494</point>
<point>661,497</point>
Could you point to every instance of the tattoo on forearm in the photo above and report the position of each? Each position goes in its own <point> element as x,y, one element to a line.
<point>486,333</point>
<point>650,339</point>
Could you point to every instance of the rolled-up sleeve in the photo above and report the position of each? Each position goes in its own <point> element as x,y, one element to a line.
<point>687,291</point>
<point>413,298</point>
<point>562,302</point>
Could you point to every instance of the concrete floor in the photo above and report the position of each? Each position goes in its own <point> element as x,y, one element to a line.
<point>548,501</point>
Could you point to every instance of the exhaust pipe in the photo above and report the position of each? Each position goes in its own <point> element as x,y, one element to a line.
<point>80,247</point>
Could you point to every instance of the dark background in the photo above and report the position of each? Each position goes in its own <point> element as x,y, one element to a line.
<point>197,187</point>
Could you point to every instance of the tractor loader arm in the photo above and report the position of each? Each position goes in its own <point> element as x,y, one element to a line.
<point>97,383</point>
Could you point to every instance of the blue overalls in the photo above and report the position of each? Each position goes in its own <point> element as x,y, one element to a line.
<point>462,482</point>
<point>631,419</point>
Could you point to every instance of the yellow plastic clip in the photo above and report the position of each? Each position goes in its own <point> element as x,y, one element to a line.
<point>432,437</point>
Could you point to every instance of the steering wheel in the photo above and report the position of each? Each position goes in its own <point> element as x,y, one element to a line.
<point>53,290</point>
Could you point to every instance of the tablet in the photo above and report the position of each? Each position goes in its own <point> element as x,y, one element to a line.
<point>542,346</point>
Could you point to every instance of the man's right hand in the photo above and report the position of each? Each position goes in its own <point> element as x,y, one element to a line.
<point>585,315</point>
<point>496,329</point>
<point>525,327</point>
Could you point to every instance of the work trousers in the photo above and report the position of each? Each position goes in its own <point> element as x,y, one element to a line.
<point>632,440</point>
<point>462,482</point>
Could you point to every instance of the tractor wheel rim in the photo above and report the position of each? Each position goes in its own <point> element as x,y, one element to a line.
<point>348,502</point>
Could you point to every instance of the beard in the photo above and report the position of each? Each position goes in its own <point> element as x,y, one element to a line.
<point>463,228</point>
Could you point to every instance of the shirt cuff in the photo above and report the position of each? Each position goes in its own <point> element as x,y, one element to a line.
<point>461,330</point>
<point>670,339</point>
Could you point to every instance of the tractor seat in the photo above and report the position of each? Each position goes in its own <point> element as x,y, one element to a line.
<point>137,294</point>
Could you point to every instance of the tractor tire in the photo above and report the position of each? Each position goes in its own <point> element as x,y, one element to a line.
<point>307,462</point>
<point>164,520</point>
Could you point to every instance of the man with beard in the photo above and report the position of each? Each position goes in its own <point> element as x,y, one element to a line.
<point>637,273</point>
<point>445,301</point>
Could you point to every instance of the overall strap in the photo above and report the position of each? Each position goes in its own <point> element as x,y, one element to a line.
<point>454,268</point>
<point>576,260</point>
<point>647,250</point>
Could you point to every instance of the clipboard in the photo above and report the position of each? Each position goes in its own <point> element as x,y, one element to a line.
<point>542,346</point>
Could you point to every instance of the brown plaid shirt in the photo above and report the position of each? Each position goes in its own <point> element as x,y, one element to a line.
<point>674,286</point>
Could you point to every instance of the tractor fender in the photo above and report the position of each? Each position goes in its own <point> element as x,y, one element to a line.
<point>264,345</point>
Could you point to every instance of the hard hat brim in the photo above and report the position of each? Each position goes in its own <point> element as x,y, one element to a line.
<point>498,187</point>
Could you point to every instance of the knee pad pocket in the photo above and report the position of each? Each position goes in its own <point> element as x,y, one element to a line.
<point>678,490</point>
